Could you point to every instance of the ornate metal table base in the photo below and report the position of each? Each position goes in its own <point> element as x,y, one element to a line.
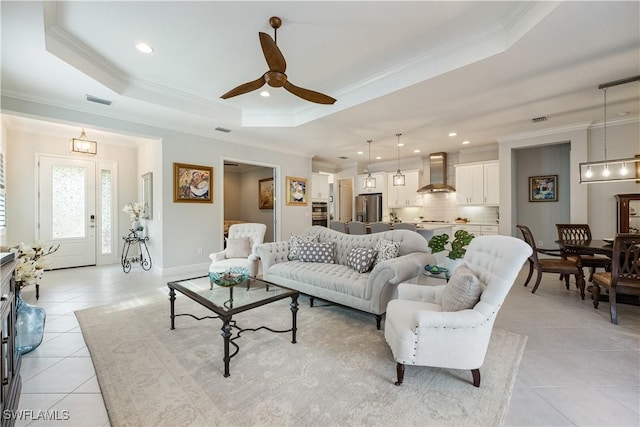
<point>132,239</point>
<point>228,325</point>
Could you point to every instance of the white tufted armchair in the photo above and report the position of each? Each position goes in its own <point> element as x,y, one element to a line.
<point>419,332</point>
<point>249,234</point>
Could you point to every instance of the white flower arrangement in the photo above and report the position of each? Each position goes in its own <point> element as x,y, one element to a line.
<point>134,210</point>
<point>32,261</point>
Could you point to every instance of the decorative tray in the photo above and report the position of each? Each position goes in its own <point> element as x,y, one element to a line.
<point>435,270</point>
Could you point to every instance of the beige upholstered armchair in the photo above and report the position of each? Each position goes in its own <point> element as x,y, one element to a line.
<point>422,326</point>
<point>240,250</point>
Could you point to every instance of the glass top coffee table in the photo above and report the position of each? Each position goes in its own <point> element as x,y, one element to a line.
<point>226,302</point>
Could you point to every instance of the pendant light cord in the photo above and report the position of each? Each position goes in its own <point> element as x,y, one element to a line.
<point>605,124</point>
<point>398,135</point>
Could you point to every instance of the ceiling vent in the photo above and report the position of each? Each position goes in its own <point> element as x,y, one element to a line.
<point>219,129</point>
<point>97,100</point>
<point>437,175</point>
<point>539,119</point>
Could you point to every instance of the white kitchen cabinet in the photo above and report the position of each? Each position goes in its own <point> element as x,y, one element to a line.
<point>319,187</point>
<point>478,184</point>
<point>381,184</point>
<point>407,195</point>
<point>477,230</point>
<point>492,183</point>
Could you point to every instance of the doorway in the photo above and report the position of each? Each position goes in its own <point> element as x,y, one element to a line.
<point>242,184</point>
<point>67,209</point>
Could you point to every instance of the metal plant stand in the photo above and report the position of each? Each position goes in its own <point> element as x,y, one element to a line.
<point>143,257</point>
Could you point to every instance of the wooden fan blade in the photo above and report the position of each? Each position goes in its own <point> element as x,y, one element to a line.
<point>244,88</point>
<point>275,58</point>
<point>309,95</point>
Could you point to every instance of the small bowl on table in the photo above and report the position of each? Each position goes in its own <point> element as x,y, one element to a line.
<point>231,277</point>
<point>435,270</point>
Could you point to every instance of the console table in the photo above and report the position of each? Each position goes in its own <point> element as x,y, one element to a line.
<point>10,359</point>
<point>144,258</point>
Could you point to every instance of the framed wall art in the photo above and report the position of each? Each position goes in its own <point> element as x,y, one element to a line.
<point>297,191</point>
<point>147,195</point>
<point>543,188</point>
<point>192,183</point>
<point>265,193</point>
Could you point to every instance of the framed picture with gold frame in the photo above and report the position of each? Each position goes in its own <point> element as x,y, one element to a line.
<point>297,191</point>
<point>265,193</point>
<point>192,183</point>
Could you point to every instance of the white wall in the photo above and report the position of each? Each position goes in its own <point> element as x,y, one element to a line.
<point>21,171</point>
<point>184,227</point>
<point>589,203</point>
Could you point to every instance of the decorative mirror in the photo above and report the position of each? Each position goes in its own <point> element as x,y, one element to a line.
<point>147,194</point>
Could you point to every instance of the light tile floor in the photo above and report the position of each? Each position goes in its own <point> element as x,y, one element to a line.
<point>577,369</point>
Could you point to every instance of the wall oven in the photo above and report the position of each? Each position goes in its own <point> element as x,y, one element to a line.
<point>319,214</point>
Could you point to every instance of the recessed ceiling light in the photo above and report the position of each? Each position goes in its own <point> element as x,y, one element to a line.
<point>265,93</point>
<point>452,134</point>
<point>416,151</point>
<point>378,158</point>
<point>144,48</point>
<point>360,152</point>
<point>401,144</point>
<point>466,142</point>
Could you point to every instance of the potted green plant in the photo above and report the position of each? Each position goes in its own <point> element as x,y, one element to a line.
<point>458,245</point>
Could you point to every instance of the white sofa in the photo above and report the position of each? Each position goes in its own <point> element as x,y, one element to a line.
<point>339,283</point>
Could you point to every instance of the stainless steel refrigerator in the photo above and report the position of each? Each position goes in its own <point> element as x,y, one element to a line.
<point>369,207</point>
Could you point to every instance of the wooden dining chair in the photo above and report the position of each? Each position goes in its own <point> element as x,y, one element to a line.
<point>559,262</point>
<point>582,232</point>
<point>624,277</point>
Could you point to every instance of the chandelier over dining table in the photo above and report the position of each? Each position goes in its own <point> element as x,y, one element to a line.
<point>617,170</point>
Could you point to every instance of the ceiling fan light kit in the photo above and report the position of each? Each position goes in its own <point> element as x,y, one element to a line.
<point>617,170</point>
<point>276,76</point>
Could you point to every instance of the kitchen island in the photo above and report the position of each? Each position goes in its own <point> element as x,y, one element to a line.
<point>428,230</point>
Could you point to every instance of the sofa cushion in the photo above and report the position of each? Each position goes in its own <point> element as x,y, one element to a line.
<point>330,277</point>
<point>316,252</point>
<point>361,259</point>
<point>295,241</point>
<point>462,291</point>
<point>238,247</point>
<point>386,249</point>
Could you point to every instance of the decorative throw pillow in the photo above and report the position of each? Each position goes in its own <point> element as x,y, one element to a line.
<point>238,247</point>
<point>361,259</point>
<point>316,252</point>
<point>462,291</point>
<point>294,244</point>
<point>386,249</point>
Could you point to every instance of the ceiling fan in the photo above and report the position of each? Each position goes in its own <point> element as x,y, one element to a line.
<point>276,77</point>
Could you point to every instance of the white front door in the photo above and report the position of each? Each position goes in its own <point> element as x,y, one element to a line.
<point>67,209</point>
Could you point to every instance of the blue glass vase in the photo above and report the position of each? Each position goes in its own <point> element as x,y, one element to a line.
<point>29,325</point>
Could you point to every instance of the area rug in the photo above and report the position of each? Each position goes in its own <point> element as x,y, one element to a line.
<point>340,372</point>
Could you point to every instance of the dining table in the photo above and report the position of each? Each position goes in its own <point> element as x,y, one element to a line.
<point>601,247</point>
<point>587,247</point>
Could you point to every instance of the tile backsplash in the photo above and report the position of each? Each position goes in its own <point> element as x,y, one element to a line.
<point>443,207</point>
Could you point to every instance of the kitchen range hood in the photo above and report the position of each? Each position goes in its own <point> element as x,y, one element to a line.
<point>437,175</point>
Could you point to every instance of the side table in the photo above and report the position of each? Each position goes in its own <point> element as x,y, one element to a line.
<point>132,239</point>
